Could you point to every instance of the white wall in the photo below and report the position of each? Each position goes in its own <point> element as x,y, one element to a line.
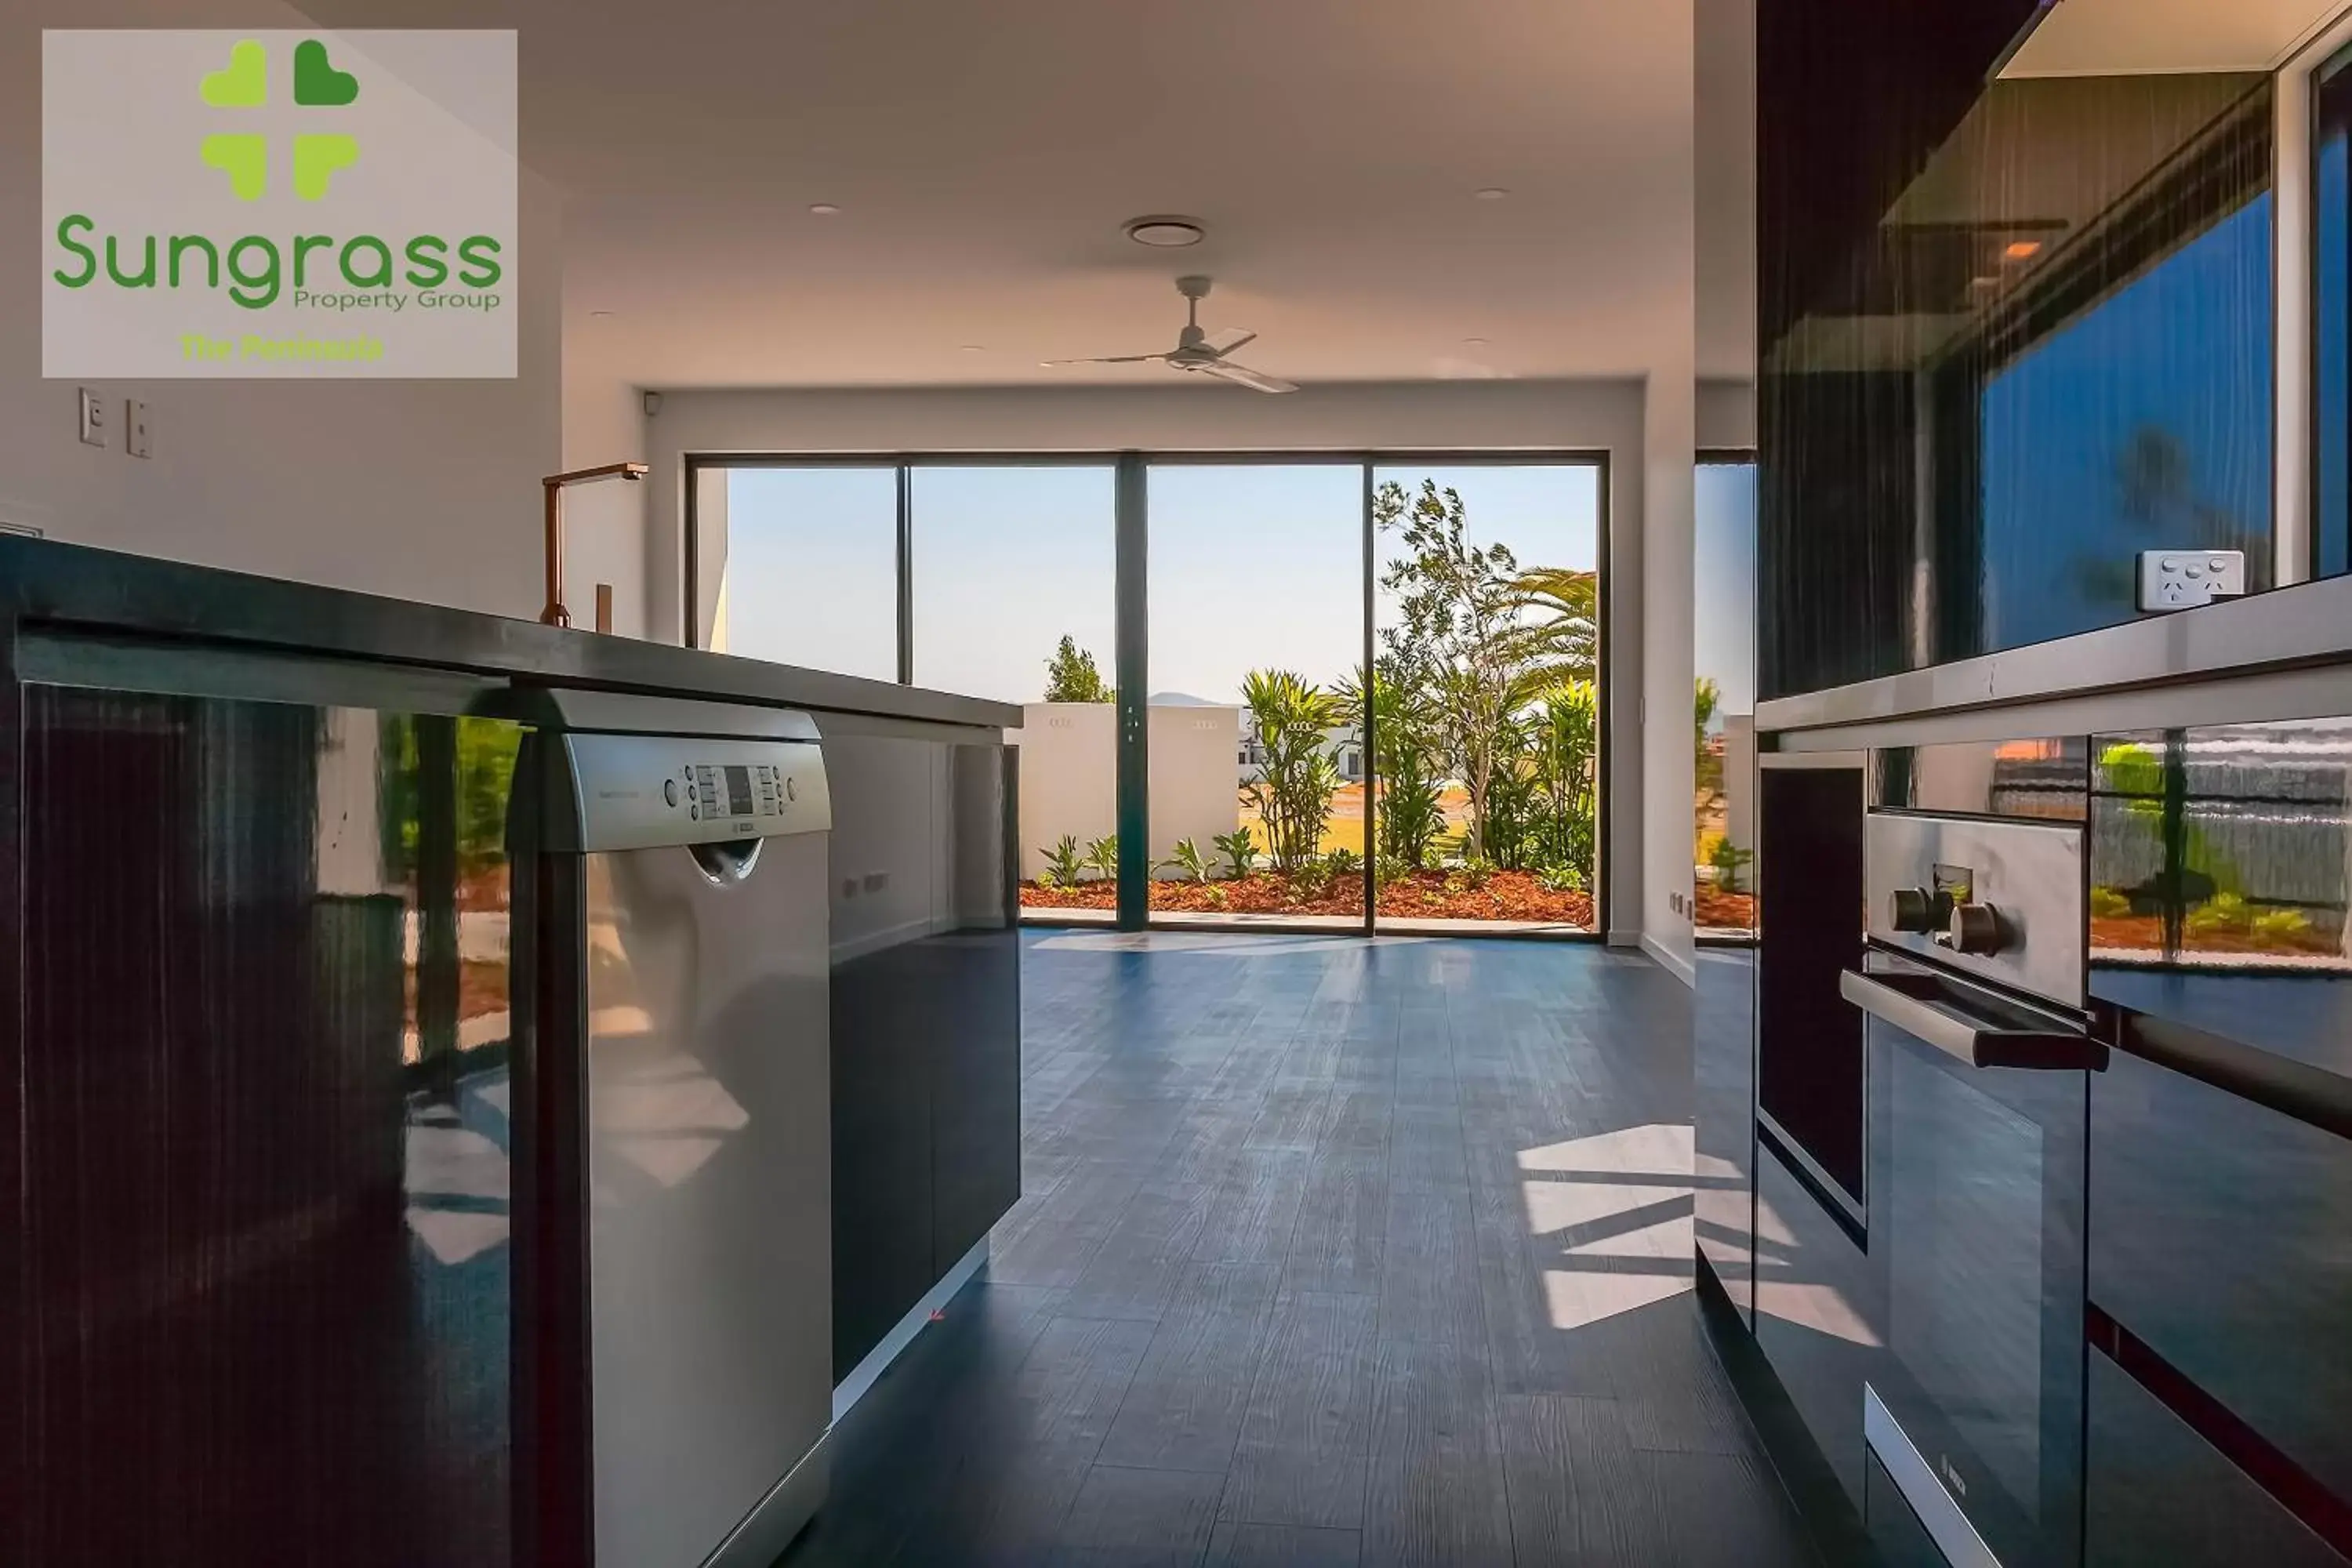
<point>1603,416</point>
<point>1195,776</point>
<point>1670,438</point>
<point>1069,776</point>
<point>423,490</point>
<point>604,522</point>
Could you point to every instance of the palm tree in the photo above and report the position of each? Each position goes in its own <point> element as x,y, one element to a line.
<point>1564,644</point>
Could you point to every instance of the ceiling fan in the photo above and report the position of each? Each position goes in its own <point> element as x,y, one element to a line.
<point>1197,350</point>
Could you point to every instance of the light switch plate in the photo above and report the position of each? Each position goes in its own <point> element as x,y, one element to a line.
<point>2183,579</point>
<point>134,421</point>
<point>93,418</point>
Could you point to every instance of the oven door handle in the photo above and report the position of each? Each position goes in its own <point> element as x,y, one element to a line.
<point>1907,1002</point>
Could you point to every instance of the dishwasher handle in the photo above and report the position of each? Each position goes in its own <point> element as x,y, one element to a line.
<point>726,861</point>
<point>1912,1004</point>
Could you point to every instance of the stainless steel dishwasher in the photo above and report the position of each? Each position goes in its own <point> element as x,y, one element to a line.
<point>680,1210</point>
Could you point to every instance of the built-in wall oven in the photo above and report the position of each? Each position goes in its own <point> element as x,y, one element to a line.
<point>1978,1055</point>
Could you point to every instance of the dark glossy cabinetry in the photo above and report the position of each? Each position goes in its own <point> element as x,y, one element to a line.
<point>2017,333</point>
<point>926,1016</point>
<point>257,1137</point>
<point>2222,1137</point>
<point>1816,1303</point>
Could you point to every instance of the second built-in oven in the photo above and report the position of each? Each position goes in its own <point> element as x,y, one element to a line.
<point>1979,1057</point>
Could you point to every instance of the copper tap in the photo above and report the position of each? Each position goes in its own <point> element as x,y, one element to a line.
<point>555,613</point>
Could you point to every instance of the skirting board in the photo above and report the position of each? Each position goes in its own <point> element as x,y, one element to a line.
<point>1674,963</point>
<point>852,1389</point>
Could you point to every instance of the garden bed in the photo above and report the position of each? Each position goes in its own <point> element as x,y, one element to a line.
<point>1517,896</point>
<point>1712,910</point>
<point>2145,933</point>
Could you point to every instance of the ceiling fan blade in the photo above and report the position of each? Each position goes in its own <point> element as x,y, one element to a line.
<point>1227,371</point>
<point>1227,341</point>
<point>1111,359</point>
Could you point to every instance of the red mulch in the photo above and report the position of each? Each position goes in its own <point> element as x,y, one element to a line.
<point>1732,911</point>
<point>1425,895</point>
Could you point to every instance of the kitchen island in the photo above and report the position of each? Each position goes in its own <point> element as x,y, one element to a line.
<point>290,1208</point>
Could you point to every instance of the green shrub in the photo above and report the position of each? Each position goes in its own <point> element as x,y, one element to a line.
<point>1188,859</point>
<point>1561,879</point>
<point>1102,857</point>
<point>1344,864</point>
<point>1064,864</point>
<point>2221,912</point>
<point>2277,925</point>
<point>1292,790</point>
<point>1239,851</point>
<point>2107,904</point>
<point>1729,863</point>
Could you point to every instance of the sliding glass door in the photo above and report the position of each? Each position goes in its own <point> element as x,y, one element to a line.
<point>1373,684</point>
<point>1256,635</point>
<point>1012,595</point>
<point>1488,709</point>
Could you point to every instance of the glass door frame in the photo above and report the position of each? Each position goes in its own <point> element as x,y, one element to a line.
<point>1131,657</point>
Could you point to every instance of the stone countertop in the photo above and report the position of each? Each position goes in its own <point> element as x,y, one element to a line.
<point>51,587</point>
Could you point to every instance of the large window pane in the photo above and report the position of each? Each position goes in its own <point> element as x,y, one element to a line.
<point>1015,599</point>
<point>1488,733</point>
<point>1723,573</point>
<point>807,566</point>
<point>1256,635</point>
<point>1007,562</point>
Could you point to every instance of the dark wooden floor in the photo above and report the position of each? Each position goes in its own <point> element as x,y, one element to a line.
<point>1331,1253</point>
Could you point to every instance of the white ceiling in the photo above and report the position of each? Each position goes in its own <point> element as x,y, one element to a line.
<point>983,155</point>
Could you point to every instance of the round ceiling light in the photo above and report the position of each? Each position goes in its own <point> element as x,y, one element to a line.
<point>825,209</point>
<point>1493,193</point>
<point>1165,232</point>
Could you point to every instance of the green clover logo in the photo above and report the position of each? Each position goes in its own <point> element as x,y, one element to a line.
<point>244,156</point>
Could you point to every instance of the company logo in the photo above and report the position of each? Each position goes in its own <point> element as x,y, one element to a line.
<point>244,156</point>
<point>278,204</point>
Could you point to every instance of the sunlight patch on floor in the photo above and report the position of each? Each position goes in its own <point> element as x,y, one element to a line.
<point>1624,1244</point>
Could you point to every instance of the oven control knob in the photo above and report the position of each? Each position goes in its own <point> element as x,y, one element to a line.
<point>1975,929</point>
<point>1913,910</point>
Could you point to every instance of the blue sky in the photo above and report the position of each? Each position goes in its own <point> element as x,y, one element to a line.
<point>1252,565</point>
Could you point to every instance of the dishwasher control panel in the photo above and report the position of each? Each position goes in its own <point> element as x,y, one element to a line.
<point>632,792</point>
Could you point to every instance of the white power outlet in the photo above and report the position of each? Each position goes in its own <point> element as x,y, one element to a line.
<point>93,418</point>
<point>2183,579</point>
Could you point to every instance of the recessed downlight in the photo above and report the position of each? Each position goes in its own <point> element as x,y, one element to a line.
<point>1474,343</point>
<point>1493,193</point>
<point>824,209</point>
<point>970,348</point>
<point>1165,231</point>
<point>600,315</point>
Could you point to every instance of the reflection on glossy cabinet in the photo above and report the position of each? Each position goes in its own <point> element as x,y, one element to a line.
<point>1818,1314</point>
<point>926,1020</point>
<point>2157,1492</point>
<point>263,1171</point>
<point>1723,1064</point>
<point>2014,328</point>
